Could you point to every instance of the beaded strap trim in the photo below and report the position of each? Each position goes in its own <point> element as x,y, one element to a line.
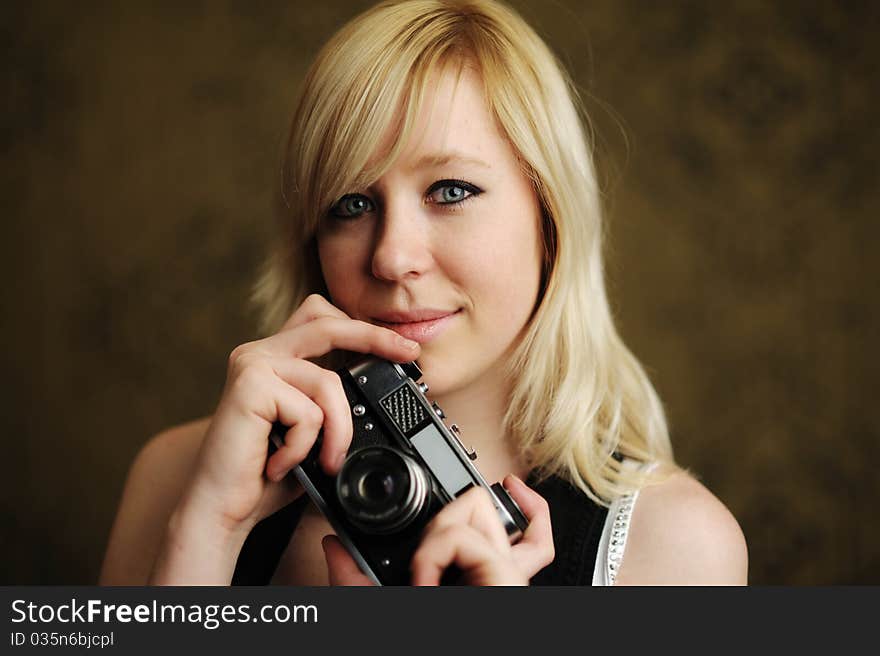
<point>619,530</point>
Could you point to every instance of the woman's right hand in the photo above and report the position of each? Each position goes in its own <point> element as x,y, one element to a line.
<point>271,380</point>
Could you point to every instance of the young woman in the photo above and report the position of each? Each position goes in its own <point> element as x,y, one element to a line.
<point>440,205</point>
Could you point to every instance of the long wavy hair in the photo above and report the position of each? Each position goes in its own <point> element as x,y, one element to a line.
<point>580,400</point>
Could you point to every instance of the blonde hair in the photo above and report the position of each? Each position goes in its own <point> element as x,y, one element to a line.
<point>580,396</point>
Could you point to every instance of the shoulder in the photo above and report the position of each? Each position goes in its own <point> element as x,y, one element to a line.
<point>172,449</point>
<point>163,464</point>
<point>154,484</point>
<point>681,534</point>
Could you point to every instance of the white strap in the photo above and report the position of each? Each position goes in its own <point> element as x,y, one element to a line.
<point>612,544</point>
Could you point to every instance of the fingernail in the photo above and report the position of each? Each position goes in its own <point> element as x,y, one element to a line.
<point>407,343</point>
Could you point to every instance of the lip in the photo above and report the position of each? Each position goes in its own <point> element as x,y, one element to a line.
<point>421,326</point>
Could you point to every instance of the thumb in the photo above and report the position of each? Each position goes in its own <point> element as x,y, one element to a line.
<point>341,567</point>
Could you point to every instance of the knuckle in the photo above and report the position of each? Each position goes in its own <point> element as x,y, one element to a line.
<point>330,382</point>
<point>313,300</point>
<point>543,505</point>
<point>389,336</point>
<point>324,324</point>
<point>549,553</point>
<point>312,306</point>
<point>248,376</point>
<point>455,533</point>
<point>419,560</point>
<point>547,548</point>
<point>482,495</point>
<point>249,392</point>
<point>313,415</point>
<point>439,523</point>
<point>376,332</point>
<point>236,354</point>
<point>248,364</point>
<point>295,444</point>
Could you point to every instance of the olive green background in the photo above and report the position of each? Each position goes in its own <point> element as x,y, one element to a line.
<point>738,147</point>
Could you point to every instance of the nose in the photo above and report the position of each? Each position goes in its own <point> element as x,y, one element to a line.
<point>402,249</point>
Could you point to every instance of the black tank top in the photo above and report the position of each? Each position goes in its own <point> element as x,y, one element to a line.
<point>577,523</point>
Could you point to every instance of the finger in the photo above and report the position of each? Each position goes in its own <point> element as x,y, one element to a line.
<point>260,382</point>
<point>341,567</point>
<point>324,388</point>
<point>325,334</point>
<point>465,547</point>
<point>278,495</point>
<point>474,508</point>
<point>313,307</point>
<point>535,550</point>
<point>304,418</point>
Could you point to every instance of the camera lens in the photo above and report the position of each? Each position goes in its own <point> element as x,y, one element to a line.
<point>377,487</point>
<point>381,489</point>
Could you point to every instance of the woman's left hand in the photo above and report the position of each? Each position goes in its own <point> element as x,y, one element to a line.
<point>468,533</point>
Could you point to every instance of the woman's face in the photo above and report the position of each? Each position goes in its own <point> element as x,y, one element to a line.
<point>451,230</point>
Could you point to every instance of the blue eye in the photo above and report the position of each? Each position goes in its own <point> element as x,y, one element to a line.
<point>449,192</point>
<point>351,205</point>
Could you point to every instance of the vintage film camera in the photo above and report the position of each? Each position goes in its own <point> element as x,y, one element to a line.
<point>403,466</point>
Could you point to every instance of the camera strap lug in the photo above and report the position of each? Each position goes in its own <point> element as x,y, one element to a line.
<point>456,432</point>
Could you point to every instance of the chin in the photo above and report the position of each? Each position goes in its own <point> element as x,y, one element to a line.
<point>435,372</point>
<point>443,376</point>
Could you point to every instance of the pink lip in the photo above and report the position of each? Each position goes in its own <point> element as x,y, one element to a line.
<point>420,331</point>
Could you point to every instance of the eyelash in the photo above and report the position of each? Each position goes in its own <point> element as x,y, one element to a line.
<point>455,205</point>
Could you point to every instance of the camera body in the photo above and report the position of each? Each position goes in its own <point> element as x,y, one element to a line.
<point>403,466</point>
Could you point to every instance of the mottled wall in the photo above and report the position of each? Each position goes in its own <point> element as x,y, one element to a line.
<point>739,148</point>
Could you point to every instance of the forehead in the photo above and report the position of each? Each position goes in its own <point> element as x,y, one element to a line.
<point>453,123</point>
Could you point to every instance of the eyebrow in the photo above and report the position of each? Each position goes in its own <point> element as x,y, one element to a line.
<point>439,159</point>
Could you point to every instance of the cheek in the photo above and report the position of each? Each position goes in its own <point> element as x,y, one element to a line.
<point>339,261</point>
<point>503,269</point>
